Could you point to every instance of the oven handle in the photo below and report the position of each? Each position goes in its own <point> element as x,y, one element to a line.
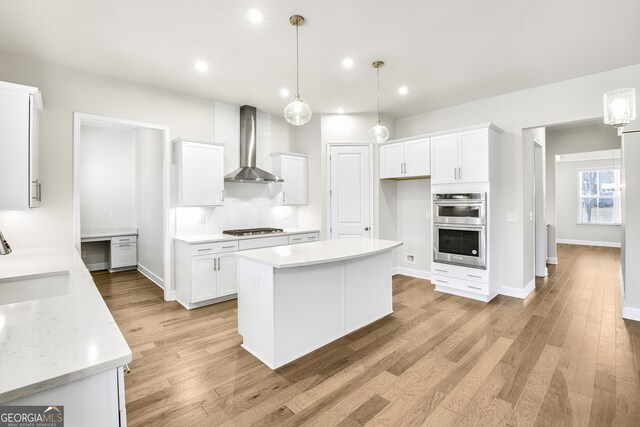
<point>461,227</point>
<point>458,202</point>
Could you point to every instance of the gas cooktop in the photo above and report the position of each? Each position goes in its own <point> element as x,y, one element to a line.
<point>253,231</point>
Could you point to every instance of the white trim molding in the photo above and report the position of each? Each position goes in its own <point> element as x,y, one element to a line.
<point>521,293</point>
<point>150,275</point>
<point>589,243</point>
<point>631,313</point>
<point>411,272</point>
<point>553,261</point>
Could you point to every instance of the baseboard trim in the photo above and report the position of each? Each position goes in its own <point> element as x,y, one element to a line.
<point>151,276</point>
<point>553,261</point>
<point>589,243</point>
<point>411,272</point>
<point>521,293</point>
<point>97,266</point>
<point>631,313</point>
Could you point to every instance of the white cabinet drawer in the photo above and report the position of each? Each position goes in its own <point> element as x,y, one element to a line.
<point>464,273</point>
<point>124,239</point>
<point>124,255</point>
<point>464,285</point>
<point>302,238</point>
<point>214,248</point>
<point>263,242</point>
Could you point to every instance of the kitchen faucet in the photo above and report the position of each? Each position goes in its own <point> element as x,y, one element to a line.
<point>5,249</point>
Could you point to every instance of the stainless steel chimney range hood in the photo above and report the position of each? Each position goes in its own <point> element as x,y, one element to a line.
<point>248,172</point>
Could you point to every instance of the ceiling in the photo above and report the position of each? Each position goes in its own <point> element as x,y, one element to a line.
<point>445,52</point>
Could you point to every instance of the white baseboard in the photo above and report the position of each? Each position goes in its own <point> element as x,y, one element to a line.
<point>631,313</point>
<point>589,243</point>
<point>151,276</point>
<point>411,272</point>
<point>521,293</point>
<point>97,266</point>
<point>553,261</point>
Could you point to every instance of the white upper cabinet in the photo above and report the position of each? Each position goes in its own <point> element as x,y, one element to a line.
<point>19,146</point>
<point>293,169</point>
<point>461,156</point>
<point>200,171</point>
<point>405,159</point>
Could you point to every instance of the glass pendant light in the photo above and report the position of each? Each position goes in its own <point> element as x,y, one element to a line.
<point>297,112</point>
<point>620,107</point>
<point>379,133</point>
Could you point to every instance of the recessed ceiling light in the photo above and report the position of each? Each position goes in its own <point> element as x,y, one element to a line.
<point>340,110</point>
<point>255,16</point>
<point>403,90</point>
<point>201,66</point>
<point>284,92</point>
<point>347,62</point>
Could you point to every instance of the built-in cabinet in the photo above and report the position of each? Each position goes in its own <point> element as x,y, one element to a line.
<point>97,400</point>
<point>408,158</point>
<point>293,169</point>
<point>124,253</point>
<point>20,186</point>
<point>200,170</point>
<point>206,273</point>
<point>460,157</point>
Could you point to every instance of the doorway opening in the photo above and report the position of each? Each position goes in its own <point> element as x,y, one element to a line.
<point>121,190</point>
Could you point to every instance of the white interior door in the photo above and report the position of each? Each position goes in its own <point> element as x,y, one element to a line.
<point>350,191</point>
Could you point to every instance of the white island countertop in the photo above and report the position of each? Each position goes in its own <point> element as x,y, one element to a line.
<point>53,340</point>
<point>321,252</point>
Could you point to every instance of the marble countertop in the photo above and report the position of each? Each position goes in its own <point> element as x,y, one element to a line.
<point>320,252</point>
<point>212,238</point>
<point>108,232</point>
<point>58,339</point>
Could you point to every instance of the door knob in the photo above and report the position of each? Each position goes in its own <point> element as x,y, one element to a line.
<point>366,229</point>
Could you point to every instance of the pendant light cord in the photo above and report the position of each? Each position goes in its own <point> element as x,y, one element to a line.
<point>378,73</point>
<point>297,65</point>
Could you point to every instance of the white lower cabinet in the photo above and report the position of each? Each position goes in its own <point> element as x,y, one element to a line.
<point>96,400</point>
<point>463,281</point>
<point>124,253</point>
<point>206,273</point>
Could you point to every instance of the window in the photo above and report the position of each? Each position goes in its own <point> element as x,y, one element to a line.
<point>599,201</point>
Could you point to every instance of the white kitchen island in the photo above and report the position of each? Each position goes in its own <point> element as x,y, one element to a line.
<point>295,299</point>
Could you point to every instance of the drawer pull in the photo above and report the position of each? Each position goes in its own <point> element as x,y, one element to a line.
<point>475,287</point>
<point>204,250</point>
<point>299,238</point>
<point>311,238</point>
<point>474,276</point>
<point>228,247</point>
<point>442,271</point>
<point>441,281</point>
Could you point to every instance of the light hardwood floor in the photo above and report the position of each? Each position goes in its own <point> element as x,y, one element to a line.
<point>563,356</point>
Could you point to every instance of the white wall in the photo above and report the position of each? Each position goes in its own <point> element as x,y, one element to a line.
<point>565,139</point>
<point>107,178</point>
<point>567,204</point>
<point>631,224</point>
<point>562,102</point>
<point>414,224</point>
<point>65,91</point>
<point>149,144</point>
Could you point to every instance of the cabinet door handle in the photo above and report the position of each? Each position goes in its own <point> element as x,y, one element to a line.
<point>222,195</point>
<point>459,173</point>
<point>218,264</point>
<point>455,173</point>
<point>284,197</point>
<point>215,266</point>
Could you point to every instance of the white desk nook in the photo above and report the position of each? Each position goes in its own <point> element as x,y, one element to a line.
<point>123,247</point>
<point>294,299</point>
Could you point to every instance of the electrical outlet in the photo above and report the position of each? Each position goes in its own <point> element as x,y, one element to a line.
<point>530,216</point>
<point>512,217</point>
<point>203,217</point>
<point>410,258</point>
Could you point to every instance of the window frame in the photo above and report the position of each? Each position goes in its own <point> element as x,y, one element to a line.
<point>613,197</point>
